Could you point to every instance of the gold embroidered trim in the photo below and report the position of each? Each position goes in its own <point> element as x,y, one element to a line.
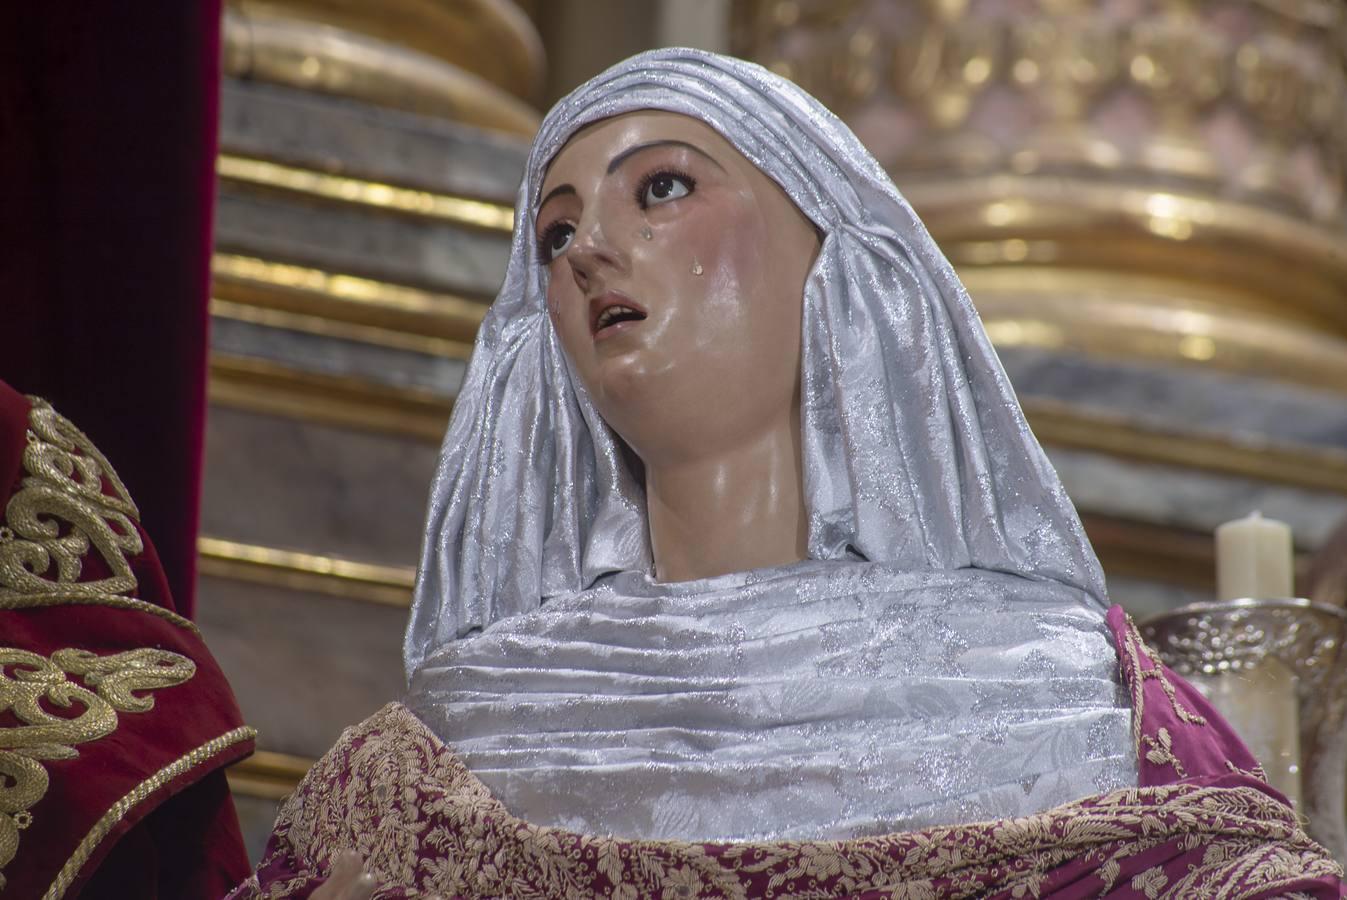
<point>1157,750</point>
<point>141,792</point>
<point>57,598</point>
<point>1161,752</point>
<point>391,790</point>
<point>1257,771</point>
<point>58,514</point>
<point>110,683</point>
<point>61,511</point>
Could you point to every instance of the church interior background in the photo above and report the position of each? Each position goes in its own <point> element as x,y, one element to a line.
<point>1145,199</point>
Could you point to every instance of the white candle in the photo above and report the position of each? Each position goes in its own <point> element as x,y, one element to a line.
<point>1253,559</point>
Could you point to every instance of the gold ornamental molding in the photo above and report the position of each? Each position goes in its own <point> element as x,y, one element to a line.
<point>342,298</point>
<point>1099,268</point>
<point>321,326</point>
<point>1312,468</point>
<point>1181,166</point>
<point>331,576</point>
<point>268,775</point>
<point>471,61</point>
<point>324,186</point>
<point>1248,94</point>
<point>1260,259</point>
<point>1131,272</point>
<point>259,386</point>
<point>1163,319</point>
<point>493,39</point>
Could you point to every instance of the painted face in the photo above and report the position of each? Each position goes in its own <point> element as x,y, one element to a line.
<point>676,275</point>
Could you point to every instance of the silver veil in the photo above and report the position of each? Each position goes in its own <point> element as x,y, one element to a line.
<point>951,609</point>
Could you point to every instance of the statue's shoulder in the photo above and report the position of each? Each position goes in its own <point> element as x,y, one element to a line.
<point>115,703</point>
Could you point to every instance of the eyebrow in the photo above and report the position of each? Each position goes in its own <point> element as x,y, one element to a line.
<point>619,159</point>
<point>555,192</point>
<point>632,151</point>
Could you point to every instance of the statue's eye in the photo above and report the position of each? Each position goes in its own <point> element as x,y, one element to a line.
<point>554,241</point>
<point>661,187</point>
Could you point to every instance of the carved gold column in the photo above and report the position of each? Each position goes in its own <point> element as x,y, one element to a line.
<point>1155,179</point>
<point>474,61</point>
<point>370,151</point>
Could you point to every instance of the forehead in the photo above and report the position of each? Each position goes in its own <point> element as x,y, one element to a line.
<point>590,149</point>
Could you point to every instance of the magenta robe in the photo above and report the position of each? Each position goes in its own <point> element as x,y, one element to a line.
<point>1202,822</point>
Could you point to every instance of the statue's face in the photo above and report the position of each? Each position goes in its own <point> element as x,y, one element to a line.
<point>676,276</point>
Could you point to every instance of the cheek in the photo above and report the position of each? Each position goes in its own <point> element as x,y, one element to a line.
<point>743,275</point>
<point>553,300</point>
<point>729,235</point>
<point>563,309</point>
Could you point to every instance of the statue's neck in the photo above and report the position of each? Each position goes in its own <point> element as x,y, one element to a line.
<point>731,510</point>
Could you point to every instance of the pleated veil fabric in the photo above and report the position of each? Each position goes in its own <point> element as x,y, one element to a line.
<point>918,463</point>
<point>532,500</point>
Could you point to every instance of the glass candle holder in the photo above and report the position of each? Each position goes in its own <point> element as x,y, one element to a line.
<point>1272,668</point>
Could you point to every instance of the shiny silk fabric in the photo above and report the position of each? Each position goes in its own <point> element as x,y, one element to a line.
<point>1202,822</point>
<point>940,657</point>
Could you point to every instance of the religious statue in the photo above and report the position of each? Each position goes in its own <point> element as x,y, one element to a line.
<point>744,576</point>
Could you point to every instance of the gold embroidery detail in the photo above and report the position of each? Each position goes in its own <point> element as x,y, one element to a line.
<point>1157,673</point>
<point>1108,874</point>
<point>1158,749</point>
<point>61,510</point>
<point>29,681</point>
<point>58,598</point>
<point>397,795</point>
<point>1161,752</point>
<point>1257,771</point>
<point>1150,882</point>
<point>138,795</point>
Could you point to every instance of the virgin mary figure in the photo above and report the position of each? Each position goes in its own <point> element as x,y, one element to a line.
<point>744,576</point>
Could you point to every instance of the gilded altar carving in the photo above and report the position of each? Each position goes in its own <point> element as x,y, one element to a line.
<point>31,685</point>
<point>1162,181</point>
<point>474,61</point>
<point>1079,85</point>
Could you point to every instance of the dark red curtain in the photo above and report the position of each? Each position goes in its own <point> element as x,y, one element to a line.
<point>108,132</point>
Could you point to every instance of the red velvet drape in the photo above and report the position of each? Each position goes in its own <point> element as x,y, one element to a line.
<point>108,134</point>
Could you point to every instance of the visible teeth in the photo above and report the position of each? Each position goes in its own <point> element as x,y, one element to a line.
<point>608,315</point>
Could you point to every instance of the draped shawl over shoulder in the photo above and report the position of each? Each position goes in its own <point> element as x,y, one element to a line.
<point>950,617</point>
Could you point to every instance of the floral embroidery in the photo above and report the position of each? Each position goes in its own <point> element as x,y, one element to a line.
<point>393,792</point>
<point>1150,882</point>
<point>1257,771</point>
<point>1161,751</point>
<point>1140,667</point>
